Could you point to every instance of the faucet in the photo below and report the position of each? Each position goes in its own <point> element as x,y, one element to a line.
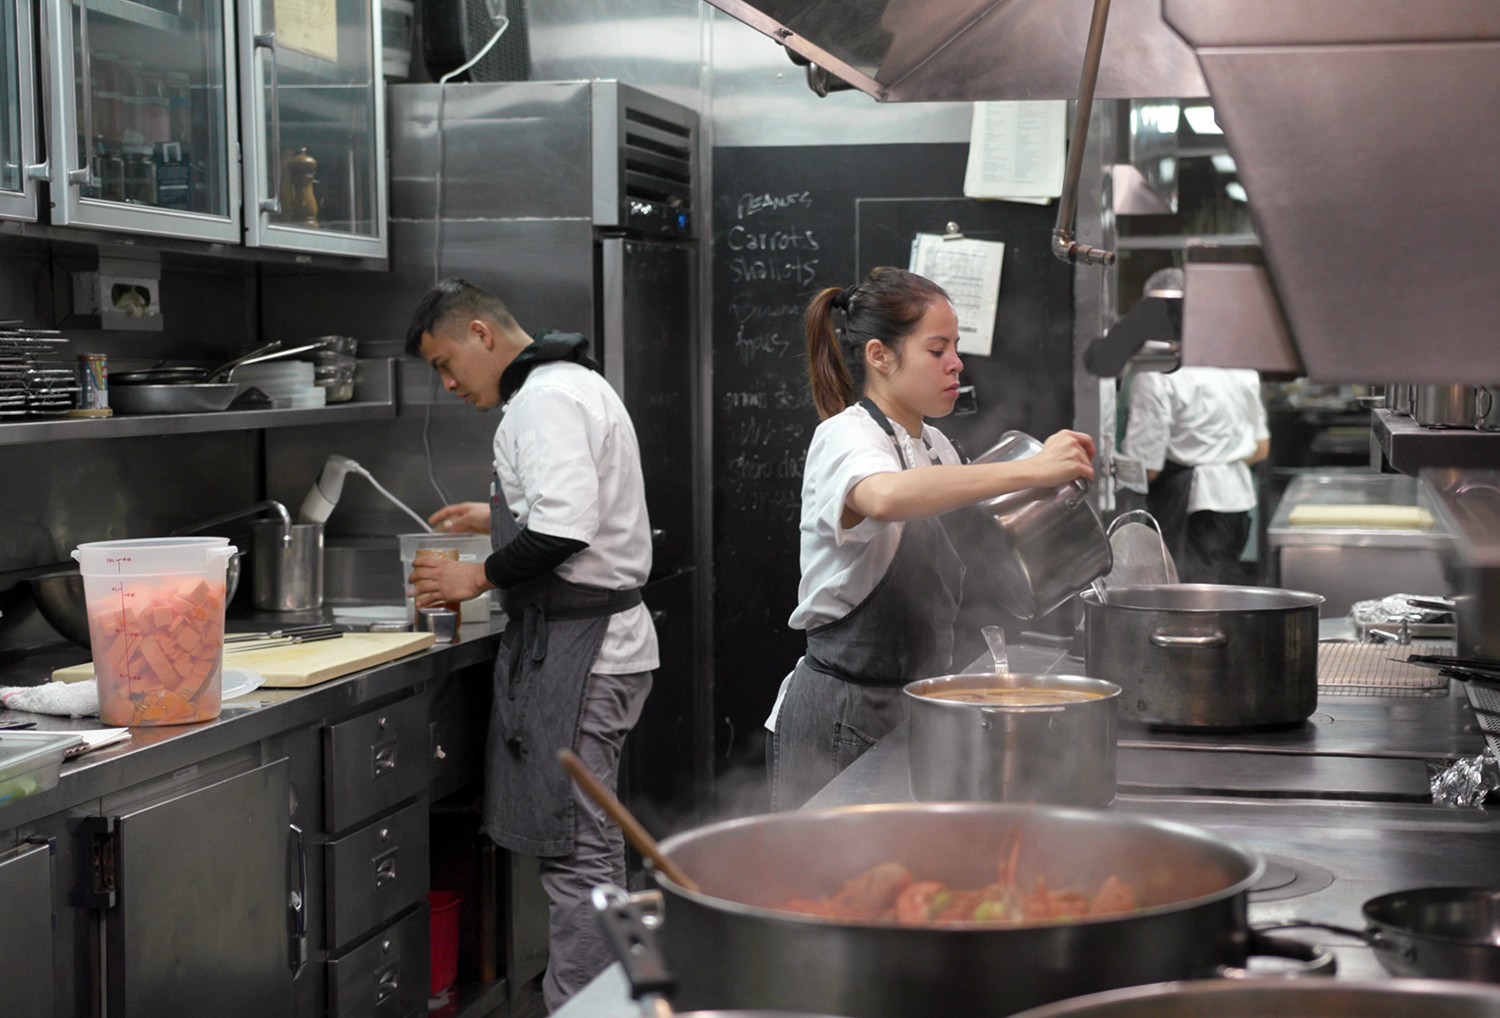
<point>270,505</point>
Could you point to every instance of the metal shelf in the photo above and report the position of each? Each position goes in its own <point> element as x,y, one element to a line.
<point>375,386</point>
<point>1409,447</point>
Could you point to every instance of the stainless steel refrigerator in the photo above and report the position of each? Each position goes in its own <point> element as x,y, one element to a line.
<point>574,201</point>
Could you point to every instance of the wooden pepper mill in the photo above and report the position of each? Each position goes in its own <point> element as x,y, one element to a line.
<point>299,204</point>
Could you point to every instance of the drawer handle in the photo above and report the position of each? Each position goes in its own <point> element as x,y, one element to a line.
<point>385,869</point>
<point>384,758</point>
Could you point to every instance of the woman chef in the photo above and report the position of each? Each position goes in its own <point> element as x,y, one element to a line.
<point>880,580</point>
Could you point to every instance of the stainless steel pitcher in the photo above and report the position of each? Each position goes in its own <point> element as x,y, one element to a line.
<point>286,567</point>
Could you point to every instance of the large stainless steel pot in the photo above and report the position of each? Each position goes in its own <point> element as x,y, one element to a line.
<point>1201,655</point>
<point>1061,752</point>
<point>1308,998</point>
<point>1053,541</point>
<point>730,947</point>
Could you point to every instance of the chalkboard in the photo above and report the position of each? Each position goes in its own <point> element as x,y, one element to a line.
<point>787,222</point>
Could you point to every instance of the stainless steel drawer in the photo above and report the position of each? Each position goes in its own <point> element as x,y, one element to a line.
<point>385,977</point>
<point>374,761</point>
<point>375,872</point>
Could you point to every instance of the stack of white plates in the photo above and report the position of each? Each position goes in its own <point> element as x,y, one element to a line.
<point>288,383</point>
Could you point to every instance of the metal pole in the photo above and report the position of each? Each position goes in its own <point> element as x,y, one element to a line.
<point>1063,245</point>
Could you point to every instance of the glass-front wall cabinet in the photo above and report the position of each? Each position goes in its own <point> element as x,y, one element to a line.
<point>18,153</point>
<point>144,117</point>
<point>315,144</point>
<point>258,122</point>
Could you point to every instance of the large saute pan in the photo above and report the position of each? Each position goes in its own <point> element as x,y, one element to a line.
<point>1278,998</point>
<point>731,946</point>
<point>1442,932</point>
<point>187,390</point>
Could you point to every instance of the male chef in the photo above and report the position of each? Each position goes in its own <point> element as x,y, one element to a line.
<point>572,547</point>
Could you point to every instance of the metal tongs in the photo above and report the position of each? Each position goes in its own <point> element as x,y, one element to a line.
<point>282,637</point>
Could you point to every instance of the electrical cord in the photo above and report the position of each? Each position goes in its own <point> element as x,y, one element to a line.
<point>496,10</point>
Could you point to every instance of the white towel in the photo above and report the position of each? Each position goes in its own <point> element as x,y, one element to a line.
<point>69,699</point>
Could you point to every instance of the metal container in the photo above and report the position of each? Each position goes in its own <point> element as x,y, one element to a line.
<point>286,575</point>
<point>1398,397</point>
<point>1281,998</point>
<point>59,598</point>
<point>1200,655</point>
<point>1034,751</point>
<point>731,947</point>
<point>1053,541</point>
<point>1487,408</point>
<point>1444,406</point>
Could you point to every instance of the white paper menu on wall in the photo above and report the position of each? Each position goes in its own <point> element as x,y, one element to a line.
<point>1017,150</point>
<point>970,271</point>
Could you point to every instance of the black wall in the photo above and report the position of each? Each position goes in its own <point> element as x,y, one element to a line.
<point>788,221</point>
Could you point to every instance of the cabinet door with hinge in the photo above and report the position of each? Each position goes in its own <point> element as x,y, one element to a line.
<point>18,148</point>
<point>198,897</point>
<point>314,167</point>
<point>142,118</point>
<point>26,930</point>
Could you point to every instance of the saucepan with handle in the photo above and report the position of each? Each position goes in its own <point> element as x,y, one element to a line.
<point>1433,932</point>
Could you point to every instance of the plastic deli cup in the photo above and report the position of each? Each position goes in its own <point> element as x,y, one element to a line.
<point>156,627</point>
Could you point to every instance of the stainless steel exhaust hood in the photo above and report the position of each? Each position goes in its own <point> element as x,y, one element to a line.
<point>968,50</point>
<point>1362,133</point>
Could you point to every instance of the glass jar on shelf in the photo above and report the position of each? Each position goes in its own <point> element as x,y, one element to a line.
<point>140,175</point>
<point>132,97</point>
<point>155,119</point>
<point>105,94</point>
<point>176,87</point>
<point>109,166</point>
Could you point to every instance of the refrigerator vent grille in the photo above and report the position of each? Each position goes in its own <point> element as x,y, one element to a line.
<point>658,159</point>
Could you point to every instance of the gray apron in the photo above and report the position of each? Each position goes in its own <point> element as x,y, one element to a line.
<point>903,630</point>
<point>553,633</point>
<point>845,694</point>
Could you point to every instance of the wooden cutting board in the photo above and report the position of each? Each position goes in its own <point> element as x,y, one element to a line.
<point>295,665</point>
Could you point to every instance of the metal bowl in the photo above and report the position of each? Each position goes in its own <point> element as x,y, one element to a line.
<point>59,597</point>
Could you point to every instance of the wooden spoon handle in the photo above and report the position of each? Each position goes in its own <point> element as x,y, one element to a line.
<point>643,842</point>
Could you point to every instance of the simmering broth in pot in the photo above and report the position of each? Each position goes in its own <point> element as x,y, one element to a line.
<point>1010,696</point>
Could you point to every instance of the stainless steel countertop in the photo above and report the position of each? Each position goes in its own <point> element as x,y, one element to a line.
<point>156,750</point>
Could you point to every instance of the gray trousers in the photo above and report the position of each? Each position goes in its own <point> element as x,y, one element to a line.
<point>577,951</point>
<point>824,725</point>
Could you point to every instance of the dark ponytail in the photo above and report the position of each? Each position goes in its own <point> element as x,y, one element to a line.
<point>827,371</point>
<point>886,306</point>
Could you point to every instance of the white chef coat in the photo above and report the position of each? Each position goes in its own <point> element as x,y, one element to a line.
<point>569,466</point>
<point>840,567</point>
<point>1210,419</point>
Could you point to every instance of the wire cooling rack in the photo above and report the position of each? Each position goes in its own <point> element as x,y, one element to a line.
<point>1379,668</point>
